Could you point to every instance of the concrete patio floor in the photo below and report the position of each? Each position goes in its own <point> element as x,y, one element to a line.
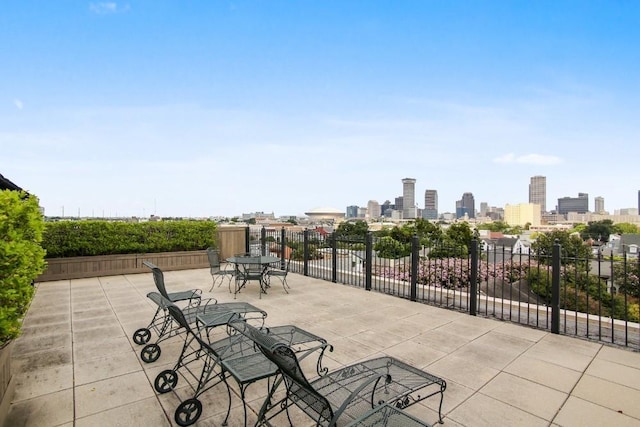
<point>76,364</point>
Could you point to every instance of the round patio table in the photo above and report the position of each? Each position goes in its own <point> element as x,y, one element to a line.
<point>252,268</point>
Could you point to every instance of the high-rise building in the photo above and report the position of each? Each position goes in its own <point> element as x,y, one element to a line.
<point>399,204</point>
<point>352,211</point>
<point>385,209</point>
<point>373,209</point>
<point>638,200</point>
<point>466,206</point>
<point>598,205</point>
<point>538,191</point>
<point>408,198</point>
<point>430,204</point>
<point>578,204</point>
<point>522,214</point>
<point>484,208</point>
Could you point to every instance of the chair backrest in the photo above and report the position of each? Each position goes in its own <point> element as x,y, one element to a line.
<point>179,317</point>
<point>214,259</point>
<point>158,278</point>
<point>298,387</point>
<point>250,268</point>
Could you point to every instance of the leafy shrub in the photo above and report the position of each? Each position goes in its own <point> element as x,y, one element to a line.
<point>88,238</point>
<point>21,258</point>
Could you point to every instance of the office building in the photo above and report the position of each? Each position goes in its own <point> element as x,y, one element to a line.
<point>399,204</point>
<point>538,191</point>
<point>521,214</point>
<point>626,211</point>
<point>373,209</point>
<point>578,204</point>
<point>430,204</point>
<point>484,208</point>
<point>598,205</point>
<point>466,206</point>
<point>385,208</point>
<point>409,198</point>
<point>352,211</point>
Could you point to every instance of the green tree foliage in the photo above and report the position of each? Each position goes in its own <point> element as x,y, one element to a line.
<point>625,228</point>
<point>352,230</point>
<point>460,233</point>
<point>88,238</point>
<point>573,248</point>
<point>496,226</point>
<point>21,258</point>
<point>627,277</point>
<point>598,230</point>
<point>388,247</point>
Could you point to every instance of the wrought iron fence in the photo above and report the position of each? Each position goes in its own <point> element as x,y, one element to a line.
<point>594,298</point>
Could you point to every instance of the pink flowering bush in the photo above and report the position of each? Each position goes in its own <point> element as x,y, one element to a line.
<point>455,273</point>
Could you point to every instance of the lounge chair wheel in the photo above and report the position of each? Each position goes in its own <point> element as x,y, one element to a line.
<point>141,336</point>
<point>166,381</point>
<point>188,412</point>
<point>150,353</point>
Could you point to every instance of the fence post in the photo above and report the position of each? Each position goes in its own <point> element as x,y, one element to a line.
<point>473,293</point>
<point>247,243</point>
<point>263,241</point>
<point>334,257</point>
<point>368,257</point>
<point>305,252</point>
<point>415,260</point>
<point>283,248</point>
<point>555,288</point>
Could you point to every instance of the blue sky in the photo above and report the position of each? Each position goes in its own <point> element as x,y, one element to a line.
<point>204,108</point>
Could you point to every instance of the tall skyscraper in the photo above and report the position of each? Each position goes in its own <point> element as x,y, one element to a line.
<point>430,204</point>
<point>466,205</point>
<point>409,198</point>
<point>538,191</point>
<point>598,205</point>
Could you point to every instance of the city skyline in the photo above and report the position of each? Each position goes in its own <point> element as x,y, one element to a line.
<point>215,109</point>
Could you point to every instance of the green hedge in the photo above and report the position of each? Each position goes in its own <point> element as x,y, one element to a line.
<point>87,238</point>
<point>21,258</point>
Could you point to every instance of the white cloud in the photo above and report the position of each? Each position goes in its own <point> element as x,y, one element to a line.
<point>18,103</point>
<point>104,8</point>
<point>528,159</point>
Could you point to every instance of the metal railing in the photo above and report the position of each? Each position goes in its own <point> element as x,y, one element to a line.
<point>593,298</point>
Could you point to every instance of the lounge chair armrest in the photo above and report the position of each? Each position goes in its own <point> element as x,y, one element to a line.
<point>373,381</point>
<point>196,297</point>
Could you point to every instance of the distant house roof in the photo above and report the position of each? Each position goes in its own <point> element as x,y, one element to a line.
<point>5,184</point>
<point>630,239</point>
<point>506,241</point>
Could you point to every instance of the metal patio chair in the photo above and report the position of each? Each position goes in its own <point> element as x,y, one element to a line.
<point>191,298</point>
<point>216,269</point>
<point>250,269</point>
<point>280,275</point>
<point>211,313</point>
<point>347,394</point>
<point>234,356</point>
